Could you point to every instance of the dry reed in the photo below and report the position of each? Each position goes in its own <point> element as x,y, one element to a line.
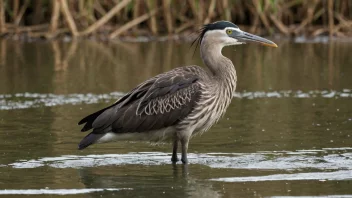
<point>113,18</point>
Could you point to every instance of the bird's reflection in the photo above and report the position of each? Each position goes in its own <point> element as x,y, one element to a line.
<point>176,170</point>
<point>155,181</point>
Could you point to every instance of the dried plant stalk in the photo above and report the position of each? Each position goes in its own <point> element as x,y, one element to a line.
<point>289,17</point>
<point>3,51</point>
<point>185,26</point>
<point>283,29</point>
<point>21,13</point>
<point>309,18</point>
<point>131,24</point>
<point>210,11</point>
<point>153,23</point>
<point>227,10</point>
<point>69,19</point>
<point>331,17</point>
<point>136,8</point>
<point>37,12</point>
<point>2,17</point>
<point>194,9</point>
<point>261,13</point>
<point>54,17</point>
<point>16,5</point>
<point>167,15</point>
<point>99,8</point>
<point>106,18</point>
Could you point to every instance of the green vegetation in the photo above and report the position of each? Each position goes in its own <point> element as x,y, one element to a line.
<point>114,18</point>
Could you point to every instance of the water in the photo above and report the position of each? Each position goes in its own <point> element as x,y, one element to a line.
<point>287,132</point>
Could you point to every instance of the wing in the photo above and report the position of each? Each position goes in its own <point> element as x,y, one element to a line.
<point>135,94</point>
<point>159,102</point>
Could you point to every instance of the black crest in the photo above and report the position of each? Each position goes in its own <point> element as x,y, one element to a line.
<point>219,25</point>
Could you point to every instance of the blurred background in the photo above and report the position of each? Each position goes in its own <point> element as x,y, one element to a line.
<point>287,132</point>
<point>113,18</point>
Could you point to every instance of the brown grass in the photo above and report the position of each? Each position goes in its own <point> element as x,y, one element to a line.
<point>81,18</point>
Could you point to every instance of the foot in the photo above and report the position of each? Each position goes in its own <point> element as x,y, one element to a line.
<point>184,160</point>
<point>174,159</point>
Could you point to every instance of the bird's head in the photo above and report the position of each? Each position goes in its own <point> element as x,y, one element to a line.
<point>227,33</point>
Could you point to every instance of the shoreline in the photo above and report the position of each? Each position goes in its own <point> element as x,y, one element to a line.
<point>183,37</point>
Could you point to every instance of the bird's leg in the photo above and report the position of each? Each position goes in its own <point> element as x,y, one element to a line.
<point>184,144</point>
<point>174,157</point>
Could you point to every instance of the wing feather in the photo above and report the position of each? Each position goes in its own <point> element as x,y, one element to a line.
<point>157,103</point>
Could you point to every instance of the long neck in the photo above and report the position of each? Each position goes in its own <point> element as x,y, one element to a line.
<point>221,67</point>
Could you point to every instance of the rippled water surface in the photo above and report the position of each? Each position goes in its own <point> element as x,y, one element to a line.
<point>287,132</point>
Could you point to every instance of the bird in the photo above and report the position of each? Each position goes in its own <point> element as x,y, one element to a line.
<point>176,105</point>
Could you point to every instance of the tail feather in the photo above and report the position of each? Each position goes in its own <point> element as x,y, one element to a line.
<point>88,140</point>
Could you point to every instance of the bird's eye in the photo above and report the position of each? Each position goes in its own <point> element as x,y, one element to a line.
<point>229,31</point>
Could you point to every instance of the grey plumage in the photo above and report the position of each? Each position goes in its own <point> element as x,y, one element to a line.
<point>177,104</point>
<point>170,96</point>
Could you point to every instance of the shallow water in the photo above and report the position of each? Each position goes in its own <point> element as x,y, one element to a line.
<point>287,132</point>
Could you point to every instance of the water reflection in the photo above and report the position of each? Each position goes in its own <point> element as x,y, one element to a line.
<point>88,66</point>
<point>293,102</point>
<point>141,172</point>
<point>164,182</point>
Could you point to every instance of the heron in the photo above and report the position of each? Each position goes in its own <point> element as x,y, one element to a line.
<point>176,105</point>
